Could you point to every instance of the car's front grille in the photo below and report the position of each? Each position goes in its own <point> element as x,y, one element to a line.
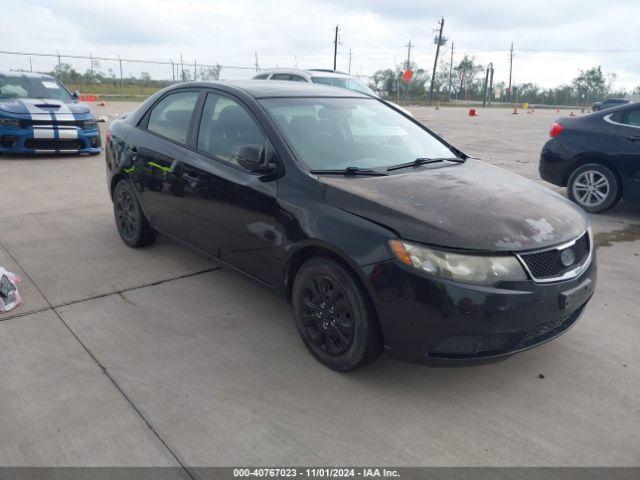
<point>51,123</point>
<point>548,265</point>
<point>54,144</point>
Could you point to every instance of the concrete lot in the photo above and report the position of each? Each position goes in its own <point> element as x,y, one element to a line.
<point>159,357</point>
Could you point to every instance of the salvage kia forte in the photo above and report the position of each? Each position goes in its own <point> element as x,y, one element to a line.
<point>381,234</point>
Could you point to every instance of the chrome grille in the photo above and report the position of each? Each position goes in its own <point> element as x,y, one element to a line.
<point>547,265</point>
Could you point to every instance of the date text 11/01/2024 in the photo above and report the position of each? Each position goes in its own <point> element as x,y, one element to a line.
<point>316,472</point>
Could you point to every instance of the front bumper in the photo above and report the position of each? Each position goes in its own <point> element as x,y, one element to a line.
<point>430,320</point>
<point>49,139</point>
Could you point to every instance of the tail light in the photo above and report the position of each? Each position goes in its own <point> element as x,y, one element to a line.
<point>108,137</point>
<point>556,129</point>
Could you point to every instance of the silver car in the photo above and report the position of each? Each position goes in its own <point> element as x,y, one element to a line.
<point>324,77</point>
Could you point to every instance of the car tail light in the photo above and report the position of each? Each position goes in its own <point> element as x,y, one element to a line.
<point>108,136</point>
<point>556,129</point>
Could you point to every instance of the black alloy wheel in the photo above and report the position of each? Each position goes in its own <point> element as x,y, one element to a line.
<point>334,315</point>
<point>328,315</point>
<point>132,225</point>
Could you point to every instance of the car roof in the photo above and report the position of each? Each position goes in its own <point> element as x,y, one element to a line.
<point>296,71</point>
<point>311,72</point>
<point>10,74</point>
<point>278,89</point>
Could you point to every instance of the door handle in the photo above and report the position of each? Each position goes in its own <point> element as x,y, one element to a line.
<point>634,139</point>
<point>193,181</point>
<point>133,153</point>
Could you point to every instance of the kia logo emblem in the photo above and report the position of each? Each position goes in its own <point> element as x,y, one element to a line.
<point>567,257</point>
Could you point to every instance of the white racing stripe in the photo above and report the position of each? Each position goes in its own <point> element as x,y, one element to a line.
<point>39,132</point>
<point>68,133</point>
<point>44,133</point>
<point>64,113</point>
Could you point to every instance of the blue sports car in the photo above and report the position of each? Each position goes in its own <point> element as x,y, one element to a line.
<point>39,115</point>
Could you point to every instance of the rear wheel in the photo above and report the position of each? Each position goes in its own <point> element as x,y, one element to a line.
<point>334,315</point>
<point>132,225</point>
<point>594,187</point>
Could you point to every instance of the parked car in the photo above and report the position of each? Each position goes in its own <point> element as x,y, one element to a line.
<point>610,102</point>
<point>596,156</point>
<point>323,77</point>
<point>380,233</point>
<point>39,115</point>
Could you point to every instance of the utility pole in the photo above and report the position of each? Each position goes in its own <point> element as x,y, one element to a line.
<point>490,84</point>
<point>349,71</point>
<point>122,78</point>
<point>408,45</point>
<point>30,65</point>
<point>59,67</point>
<point>181,69</point>
<point>195,71</point>
<point>510,70</point>
<point>450,71</point>
<point>257,64</point>
<point>335,47</point>
<point>435,62</point>
<point>484,90</point>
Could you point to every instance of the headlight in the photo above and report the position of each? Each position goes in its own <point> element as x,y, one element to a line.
<point>89,124</point>
<point>475,269</point>
<point>9,122</point>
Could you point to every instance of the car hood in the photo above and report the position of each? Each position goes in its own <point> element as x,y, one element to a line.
<point>471,206</point>
<point>36,107</point>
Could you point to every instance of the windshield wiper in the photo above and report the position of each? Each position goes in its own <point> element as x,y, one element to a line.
<point>423,161</point>
<point>349,171</point>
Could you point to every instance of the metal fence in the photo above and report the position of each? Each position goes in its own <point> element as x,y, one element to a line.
<point>119,75</point>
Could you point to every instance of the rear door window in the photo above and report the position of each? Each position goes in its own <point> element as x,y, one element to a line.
<point>171,117</point>
<point>631,117</point>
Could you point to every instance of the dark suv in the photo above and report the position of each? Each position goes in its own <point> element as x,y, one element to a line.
<point>381,234</point>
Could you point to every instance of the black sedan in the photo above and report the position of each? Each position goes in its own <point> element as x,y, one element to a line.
<point>597,157</point>
<point>381,234</point>
<point>609,103</point>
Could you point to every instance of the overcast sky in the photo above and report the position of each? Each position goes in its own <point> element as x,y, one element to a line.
<point>552,40</point>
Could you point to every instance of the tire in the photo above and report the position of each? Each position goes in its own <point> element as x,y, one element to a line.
<point>133,227</point>
<point>594,187</point>
<point>334,315</point>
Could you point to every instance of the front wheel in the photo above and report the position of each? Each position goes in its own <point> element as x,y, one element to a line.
<point>133,227</point>
<point>594,187</point>
<point>334,315</point>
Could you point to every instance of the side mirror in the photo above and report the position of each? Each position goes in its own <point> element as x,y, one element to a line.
<point>252,158</point>
<point>76,95</point>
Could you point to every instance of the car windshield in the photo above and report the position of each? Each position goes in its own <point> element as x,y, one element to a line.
<point>336,133</point>
<point>30,87</point>
<point>344,82</point>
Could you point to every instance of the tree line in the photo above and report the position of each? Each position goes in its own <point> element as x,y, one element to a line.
<point>466,81</point>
